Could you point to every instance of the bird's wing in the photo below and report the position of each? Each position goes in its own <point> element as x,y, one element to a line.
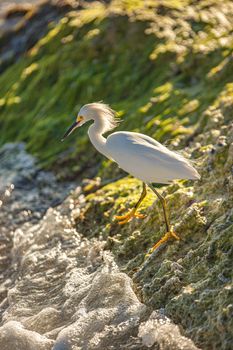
<point>139,144</point>
<point>145,150</point>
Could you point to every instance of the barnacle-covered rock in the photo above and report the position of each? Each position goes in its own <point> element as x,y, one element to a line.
<point>191,278</point>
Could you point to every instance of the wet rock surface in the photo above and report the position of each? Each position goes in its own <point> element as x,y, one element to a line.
<point>26,193</point>
<point>190,278</point>
<point>55,253</point>
<point>61,290</point>
<point>23,24</point>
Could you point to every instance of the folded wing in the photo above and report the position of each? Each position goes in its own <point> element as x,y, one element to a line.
<point>147,159</point>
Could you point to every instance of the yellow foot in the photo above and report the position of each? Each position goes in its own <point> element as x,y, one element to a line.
<point>123,219</point>
<point>169,235</point>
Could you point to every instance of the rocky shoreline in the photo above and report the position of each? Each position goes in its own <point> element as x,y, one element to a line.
<point>70,276</point>
<point>60,290</point>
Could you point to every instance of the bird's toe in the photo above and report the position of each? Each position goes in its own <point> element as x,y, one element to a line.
<point>174,235</point>
<point>123,222</point>
<point>121,217</point>
<point>140,216</point>
<point>167,237</point>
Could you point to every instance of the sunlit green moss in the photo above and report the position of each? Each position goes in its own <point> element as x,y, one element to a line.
<point>103,53</point>
<point>191,278</point>
<point>166,67</point>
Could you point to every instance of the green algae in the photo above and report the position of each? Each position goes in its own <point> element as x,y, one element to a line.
<point>191,278</point>
<point>108,53</point>
<point>168,73</point>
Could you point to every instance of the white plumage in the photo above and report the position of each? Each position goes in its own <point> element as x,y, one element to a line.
<point>148,160</point>
<point>138,154</point>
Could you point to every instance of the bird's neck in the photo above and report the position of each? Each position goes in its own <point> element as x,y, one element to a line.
<point>95,132</point>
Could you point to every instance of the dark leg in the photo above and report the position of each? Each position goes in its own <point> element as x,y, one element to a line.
<point>123,219</point>
<point>143,195</point>
<point>164,205</point>
<point>170,233</point>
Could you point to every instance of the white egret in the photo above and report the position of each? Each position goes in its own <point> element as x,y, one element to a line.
<point>137,154</point>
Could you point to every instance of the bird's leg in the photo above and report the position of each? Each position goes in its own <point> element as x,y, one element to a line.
<point>123,219</point>
<point>170,233</point>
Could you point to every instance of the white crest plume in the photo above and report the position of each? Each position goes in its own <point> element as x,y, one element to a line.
<point>139,155</point>
<point>105,113</point>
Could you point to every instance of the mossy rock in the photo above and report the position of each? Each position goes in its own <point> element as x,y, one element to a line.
<point>166,68</point>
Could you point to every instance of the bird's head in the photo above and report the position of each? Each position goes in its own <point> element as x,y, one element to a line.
<point>94,111</point>
<point>81,119</point>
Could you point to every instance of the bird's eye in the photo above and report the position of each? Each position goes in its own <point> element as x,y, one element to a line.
<point>79,118</point>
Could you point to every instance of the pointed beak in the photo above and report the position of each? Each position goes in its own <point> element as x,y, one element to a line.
<point>70,130</point>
